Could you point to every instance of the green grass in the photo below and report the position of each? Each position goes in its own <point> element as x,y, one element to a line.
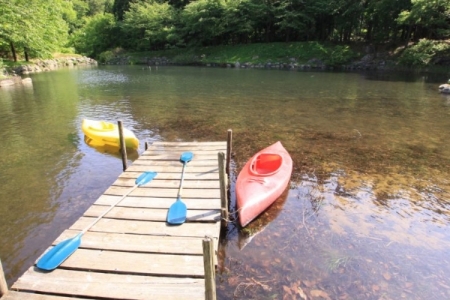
<point>256,53</point>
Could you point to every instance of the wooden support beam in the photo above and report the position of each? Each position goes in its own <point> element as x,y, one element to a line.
<point>210,272</point>
<point>223,190</point>
<point>229,146</point>
<point>123,147</point>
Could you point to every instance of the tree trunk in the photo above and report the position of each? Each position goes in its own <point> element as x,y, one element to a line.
<point>288,31</point>
<point>408,34</point>
<point>369,31</point>
<point>13,50</point>
<point>26,55</point>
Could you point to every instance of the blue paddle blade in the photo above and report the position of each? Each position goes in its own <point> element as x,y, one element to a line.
<point>186,157</point>
<point>55,256</point>
<point>145,177</point>
<point>177,213</point>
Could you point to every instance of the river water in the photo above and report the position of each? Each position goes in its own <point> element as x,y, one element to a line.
<point>366,215</point>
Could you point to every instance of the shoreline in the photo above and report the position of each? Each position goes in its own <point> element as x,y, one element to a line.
<point>15,74</point>
<point>366,63</point>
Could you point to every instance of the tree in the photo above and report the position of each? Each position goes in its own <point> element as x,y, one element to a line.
<point>426,19</point>
<point>120,7</point>
<point>238,22</point>
<point>380,19</point>
<point>203,22</point>
<point>35,26</point>
<point>149,24</point>
<point>294,18</point>
<point>96,36</point>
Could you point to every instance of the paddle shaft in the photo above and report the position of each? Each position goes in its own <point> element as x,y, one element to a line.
<point>181,182</point>
<point>107,211</point>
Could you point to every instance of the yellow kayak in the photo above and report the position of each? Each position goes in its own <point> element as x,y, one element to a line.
<point>101,133</point>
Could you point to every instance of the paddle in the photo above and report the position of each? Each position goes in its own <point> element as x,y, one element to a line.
<point>177,211</point>
<point>55,256</point>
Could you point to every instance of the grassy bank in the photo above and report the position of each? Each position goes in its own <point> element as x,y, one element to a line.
<point>425,55</point>
<point>301,53</point>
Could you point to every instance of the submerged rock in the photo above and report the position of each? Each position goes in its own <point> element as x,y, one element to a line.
<point>444,88</point>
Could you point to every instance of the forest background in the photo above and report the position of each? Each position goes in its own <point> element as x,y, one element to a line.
<point>415,32</point>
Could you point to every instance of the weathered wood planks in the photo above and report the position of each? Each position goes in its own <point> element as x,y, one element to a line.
<point>109,285</point>
<point>132,253</point>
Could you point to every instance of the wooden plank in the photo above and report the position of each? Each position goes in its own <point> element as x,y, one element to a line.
<point>143,191</point>
<point>13,295</point>
<point>133,239</point>
<point>171,184</point>
<point>150,214</point>
<point>192,145</point>
<point>178,152</point>
<point>189,143</point>
<point>136,243</point>
<point>169,156</point>
<point>176,164</point>
<point>136,263</point>
<point>154,202</point>
<point>149,227</point>
<point>168,169</point>
<point>173,176</point>
<point>111,286</point>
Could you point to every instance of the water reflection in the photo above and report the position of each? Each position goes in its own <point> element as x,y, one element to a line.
<point>367,212</point>
<point>111,150</point>
<point>336,245</point>
<point>252,230</point>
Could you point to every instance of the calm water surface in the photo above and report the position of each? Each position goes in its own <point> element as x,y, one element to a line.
<point>366,215</point>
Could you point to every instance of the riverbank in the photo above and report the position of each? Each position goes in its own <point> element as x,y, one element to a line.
<point>292,56</point>
<point>42,65</point>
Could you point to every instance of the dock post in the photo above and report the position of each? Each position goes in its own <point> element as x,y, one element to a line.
<point>123,147</point>
<point>223,190</point>
<point>229,145</point>
<point>210,272</point>
<point>3,284</point>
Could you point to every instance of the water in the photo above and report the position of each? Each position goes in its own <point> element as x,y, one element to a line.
<point>366,214</point>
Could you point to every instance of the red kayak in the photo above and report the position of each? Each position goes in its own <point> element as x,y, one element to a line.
<point>262,180</point>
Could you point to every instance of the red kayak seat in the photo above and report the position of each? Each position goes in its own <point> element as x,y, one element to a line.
<point>266,164</point>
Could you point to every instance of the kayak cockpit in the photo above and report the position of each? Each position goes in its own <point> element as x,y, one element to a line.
<point>266,164</point>
<point>103,126</point>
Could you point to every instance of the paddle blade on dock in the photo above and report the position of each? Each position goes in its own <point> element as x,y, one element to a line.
<point>58,254</point>
<point>177,213</point>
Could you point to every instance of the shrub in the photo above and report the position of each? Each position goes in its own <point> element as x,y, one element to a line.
<point>105,56</point>
<point>422,53</point>
<point>339,55</point>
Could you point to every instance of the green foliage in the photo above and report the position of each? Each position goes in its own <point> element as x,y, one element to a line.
<point>149,25</point>
<point>423,52</point>
<point>339,55</point>
<point>105,56</point>
<point>262,53</point>
<point>96,36</point>
<point>293,18</point>
<point>202,22</point>
<point>41,27</point>
<point>2,69</point>
<point>429,16</point>
<point>36,26</point>
<point>119,8</point>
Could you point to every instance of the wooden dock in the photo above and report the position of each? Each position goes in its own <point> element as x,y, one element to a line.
<point>132,253</point>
